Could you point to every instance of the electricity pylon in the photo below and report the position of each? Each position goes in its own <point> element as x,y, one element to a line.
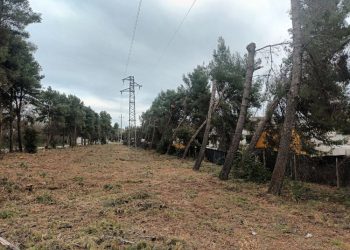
<point>132,110</point>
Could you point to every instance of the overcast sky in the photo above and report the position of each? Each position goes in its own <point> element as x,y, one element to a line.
<point>83,44</point>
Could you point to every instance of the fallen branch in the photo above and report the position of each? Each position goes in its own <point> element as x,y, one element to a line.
<point>124,241</point>
<point>8,244</point>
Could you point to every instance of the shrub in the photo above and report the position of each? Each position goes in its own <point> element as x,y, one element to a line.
<point>5,214</point>
<point>249,168</point>
<point>30,140</point>
<point>162,145</point>
<point>298,190</point>
<point>45,199</point>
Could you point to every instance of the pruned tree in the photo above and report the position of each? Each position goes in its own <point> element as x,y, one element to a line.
<point>289,118</point>
<point>200,156</point>
<point>236,138</point>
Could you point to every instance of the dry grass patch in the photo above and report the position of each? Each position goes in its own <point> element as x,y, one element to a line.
<point>112,197</point>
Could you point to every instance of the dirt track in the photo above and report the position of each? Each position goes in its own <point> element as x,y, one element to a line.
<point>111,197</point>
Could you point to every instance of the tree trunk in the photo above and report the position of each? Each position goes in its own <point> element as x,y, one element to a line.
<point>216,105</point>
<point>0,130</point>
<point>75,136</point>
<point>153,134</point>
<point>262,125</point>
<point>19,131</point>
<point>337,172</point>
<point>242,114</point>
<point>284,147</point>
<point>200,156</point>
<point>174,135</point>
<point>193,138</point>
<point>11,127</point>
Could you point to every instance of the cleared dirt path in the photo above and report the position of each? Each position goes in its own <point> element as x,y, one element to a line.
<point>111,197</point>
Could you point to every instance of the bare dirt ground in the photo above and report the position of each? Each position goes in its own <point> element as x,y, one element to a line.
<point>112,197</point>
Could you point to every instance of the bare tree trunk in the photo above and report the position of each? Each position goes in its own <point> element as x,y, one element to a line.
<point>242,114</point>
<point>11,126</point>
<point>216,105</point>
<point>193,138</point>
<point>337,172</point>
<point>75,135</point>
<point>0,129</point>
<point>262,125</point>
<point>173,137</point>
<point>153,134</point>
<point>19,131</point>
<point>200,156</point>
<point>289,121</point>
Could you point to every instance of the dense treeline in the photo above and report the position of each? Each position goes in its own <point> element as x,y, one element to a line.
<point>178,113</point>
<point>307,96</point>
<point>66,118</point>
<point>24,104</point>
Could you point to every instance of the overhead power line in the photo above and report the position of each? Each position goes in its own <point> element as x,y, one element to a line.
<point>133,37</point>
<point>172,38</point>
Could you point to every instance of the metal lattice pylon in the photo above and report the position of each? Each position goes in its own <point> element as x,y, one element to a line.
<point>132,109</point>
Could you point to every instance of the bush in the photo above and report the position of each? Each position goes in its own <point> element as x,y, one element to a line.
<point>103,141</point>
<point>299,191</point>
<point>45,199</point>
<point>249,168</point>
<point>162,145</point>
<point>30,140</point>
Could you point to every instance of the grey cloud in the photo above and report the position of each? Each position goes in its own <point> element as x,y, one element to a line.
<point>83,47</point>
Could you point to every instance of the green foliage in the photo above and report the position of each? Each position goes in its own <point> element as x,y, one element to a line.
<point>108,187</point>
<point>8,185</point>
<point>45,199</point>
<point>175,110</point>
<point>229,69</point>
<point>105,126</point>
<point>298,190</point>
<point>16,15</point>
<point>324,98</point>
<point>249,168</point>
<point>30,140</point>
<point>126,199</point>
<point>162,145</point>
<point>6,214</point>
<point>69,116</point>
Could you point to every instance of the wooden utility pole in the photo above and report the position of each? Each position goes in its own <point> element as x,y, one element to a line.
<point>200,157</point>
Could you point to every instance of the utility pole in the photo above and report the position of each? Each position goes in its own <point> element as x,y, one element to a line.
<point>132,110</point>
